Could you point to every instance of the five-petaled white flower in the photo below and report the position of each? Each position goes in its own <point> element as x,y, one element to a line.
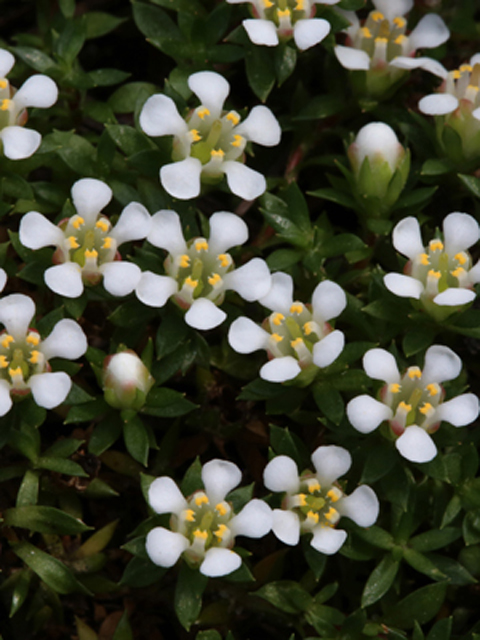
<point>413,402</point>
<point>24,355</point>
<point>204,525</point>
<point>277,20</point>
<point>314,502</point>
<point>38,91</point>
<point>210,141</point>
<point>86,243</point>
<point>381,47</point>
<point>200,271</point>
<point>295,336</point>
<point>440,275</point>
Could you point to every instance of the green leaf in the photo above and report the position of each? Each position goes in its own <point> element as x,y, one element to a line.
<point>44,520</point>
<point>107,77</point>
<point>136,439</point>
<point>455,572</point>
<point>71,41</point>
<point>59,465</point>
<point>377,537</point>
<point>128,98</point>
<point>155,23</point>
<point>285,219</point>
<point>285,443</point>
<point>283,259</point>
<point>329,401</point>
<point>123,630</point>
<point>211,634</point>
<point>167,403</point>
<point>421,563</point>
<point>34,58</point>
<point>20,591</point>
<point>128,139</point>
<point>105,433</point>
<point>435,167</point>
<point>285,59</point>
<point>417,340</point>
<point>260,71</point>
<point>28,492</point>
<point>380,460</point>
<point>472,183</point>
<point>141,572</point>
<point>421,605</point>
<point>99,23</point>
<point>286,595</point>
<point>188,595</point>
<point>441,630</point>
<point>334,195</point>
<point>380,580</point>
<point>321,107</point>
<point>435,539</point>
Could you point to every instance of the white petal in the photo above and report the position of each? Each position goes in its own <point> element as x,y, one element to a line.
<point>378,140</point>
<point>261,126</point>
<point>211,89</point>
<point>120,278</point>
<point>220,562</point>
<point>281,474</point>
<point>459,411</point>
<point>328,301</point>
<point>251,281</point>
<point>243,181</point>
<point>308,33</point>
<point>89,197</point>
<point>66,340</point>
<point>365,413</point>
<point>327,350</point>
<point>454,297</point>
<point>438,104</point>
<point>416,445</point>
<point>154,290</point>
<point>427,64</point>
<point>160,117</point>
<point>182,179</point>
<point>164,496</point>
<point>407,238</point>
<point>381,365</point>
<point>474,273</point>
<point>441,364</point>
<point>430,32</point>
<point>476,113</point>
<point>361,506</point>
<point>6,62</point>
<point>133,224</point>
<point>331,462</point>
<point>261,32</point>
<point>38,91</point>
<point>165,547</point>
<point>19,143</point>
<point>5,399</point>
<point>253,521</point>
<point>280,369</point>
<point>354,59</point>
<point>226,230</point>
<point>460,231</point>
<point>403,286</point>
<point>16,313</point>
<point>219,477</point>
<point>36,231</point>
<point>3,279</point>
<point>393,8</point>
<point>166,232</point>
<point>286,526</point>
<point>245,336</point>
<point>328,540</point>
<point>65,279</point>
<point>204,315</point>
<point>280,296</point>
<point>475,59</point>
<point>50,389</point>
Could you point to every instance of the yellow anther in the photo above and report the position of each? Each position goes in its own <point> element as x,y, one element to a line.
<point>333,495</point>
<point>472,87</point>
<point>302,499</point>
<point>404,406</point>
<point>237,141</point>
<point>436,245</point>
<point>311,515</point>
<point>221,508</point>
<point>221,531</point>
<point>331,514</point>
<point>199,500</point>
<point>433,389</point>
<point>77,222</point>
<point>3,84</point>
<point>72,241</point>
<point>91,254</point>
<point>202,535</point>
<point>267,4</point>
<point>400,39</point>
<point>394,387</point>
<point>296,308</point>
<point>414,372</point>
<point>424,259</point>
<point>217,153</point>
<point>366,33</point>
<point>426,408</point>
<point>380,40</point>
<point>296,343</point>
<point>102,225</point>
<point>190,282</point>
<point>276,337</point>
<point>194,135</point>
<point>15,372</point>
<point>277,319</point>
<point>184,261</point>
<point>232,116</point>
<point>224,259</point>
<point>300,6</point>
<point>465,67</point>
<point>214,279</point>
<point>456,273</point>
<point>456,75</point>
<point>190,515</point>
<point>107,243</point>
<point>314,486</point>
<point>377,16</point>
<point>400,22</point>
<point>4,104</point>
<point>33,339</point>
<point>434,274</point>
<point>7,341</point>
<point>308,328</point>
<point>283,14</point>
<point>3,362</point>
<point>201,245</point>
<point>34,358</point>
<point>461,258</point>
<point>202,112</point>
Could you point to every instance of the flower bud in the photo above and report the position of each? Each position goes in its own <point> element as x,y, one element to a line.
<point>126,381</point>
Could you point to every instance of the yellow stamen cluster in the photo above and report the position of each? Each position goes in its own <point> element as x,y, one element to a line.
<point>3,362</point>
<point>296,308</point>
<point>194,135</point>
<point>233,117</point>
<point>277,319</point>
<point>184,261</point>
<point>72,241</point>
<point>283,14</point>
<point>314,486</point>
<point>223,259</point>
<point>4,105</point>
<point>77,222</point>
<point>107,243</point>
<point>202,499</point>
<point>436,245</point>
<point>221,509</point>
<point>3,84</point>
<point>33,339</point>
<point>217,153</point>
<point>203,112</point>
<point>102,225</point>
<point>426,408</point>
<point>276,337</point>
<point>7,341</point>
<point>201,535</point>
<point>237,141</point>
<point>296,343</point>
<point>191,283</point>
<point>414,372</point>
<point>91,254</point>
<point>395,387</point>
<point>201,245</point>
<point>377,16</point>
<point>214,279</point>
<point>190,515</point>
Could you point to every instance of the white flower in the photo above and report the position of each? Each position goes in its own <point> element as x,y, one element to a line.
<point>275,21</point>
<point>204,525</point>
<point>24,355</point>
<point>38,91</point>
<point>200,271</point>
<point>210,141</point>
<point>381,47</point>
<point>377,142</point>
<point>315,502</point>
<point>440,275</point>
<point>126,380</point>
<point>86,243</point>
<point>294,336</point>
<point>413,402</point>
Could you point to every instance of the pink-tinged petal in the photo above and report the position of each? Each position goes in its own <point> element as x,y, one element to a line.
<point>227,230</point>
<point>165,547</point>
<point>219,477</point>
<point>261,127</point>
<point>38,91</point>
<point>164,496</point>
<point>244,182</point>
<point>182,179</point>
<point>286,526</point>
<point>381,365</point>
<point>438,104</point>
<point>220,562</point>
<point>166,232</point>
<point>393,8</point>
<point>5,399</point>
<point>253,521</point>
<point>65,279</point>
<point>204,315</point>
<point>66,340</point>
<point>361,506</point>
<point>280,369</point>
<point>407,238</point>
<point>460,231</point>
<point>328,301</point>
<point>331,462</point>
<point>328,349</point>
<point>281,475</point>
<point>366,414</point>
<point>50,389</point>
<point>459,411</point>
<point>261,32</point>
<point>427,64</point>
<point>19,143</point>
<point>133,224</point>
<point>430,32</point>
<point>353,59</point>
<point>308,33</point>
<point>441,364</point>
<point>251,281</point>
<point>36,231</point>
<point>6,62</point>
<point>120,278</point>
<point>211,89</point>
<point>154,290</point>
<point>89,197</point>
<point>403,286</point>
<point>245,336</point>
<point>328,540</point>
<point>280,296</point>
<point>16,313</point>
<point>454,297</point>
<point>160,117</point>
<point>416,445</point>
<point>3,279</point>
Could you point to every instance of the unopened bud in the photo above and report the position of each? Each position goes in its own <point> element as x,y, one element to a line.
<point>126,381</point>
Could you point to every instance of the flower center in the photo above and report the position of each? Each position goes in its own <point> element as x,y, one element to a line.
<point>212,140</point>
<point>20,359</point>
<point>464,83</point>
<point>284,13</point>
<point>87,245</point>
<point>438,270</point>
<point>315,504</point>
<point>381,39</point>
